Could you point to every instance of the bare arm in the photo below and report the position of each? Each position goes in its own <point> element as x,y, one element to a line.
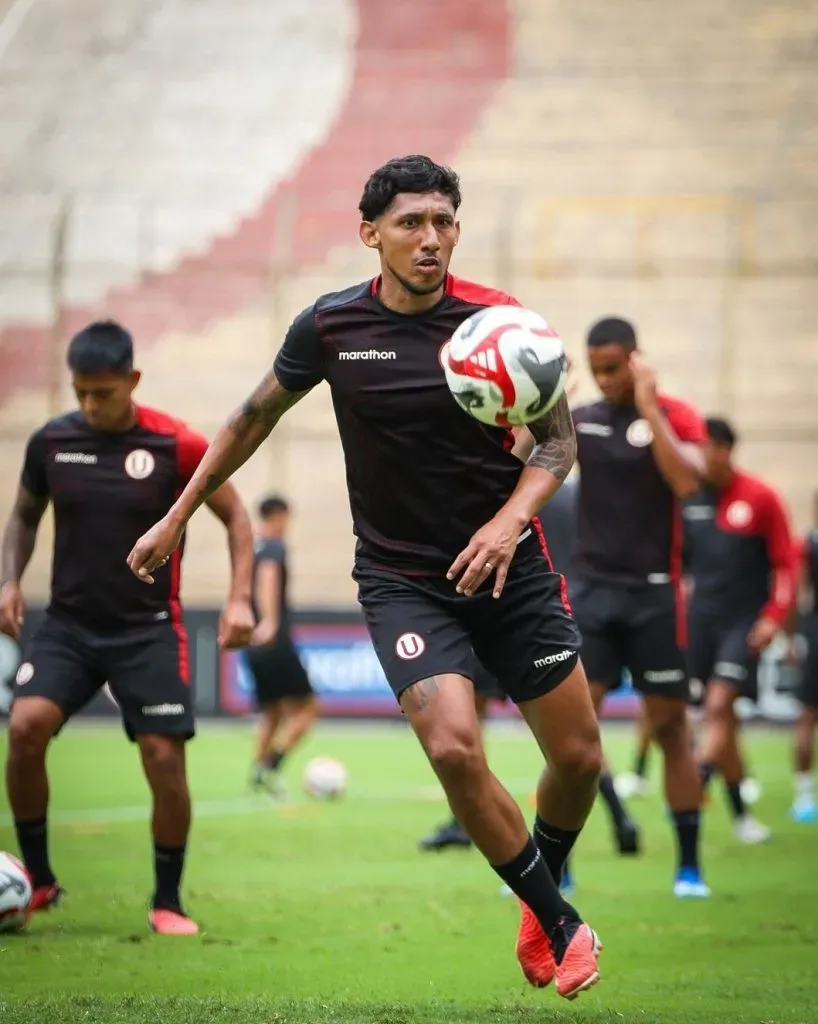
<point>679,462</point>
<point>20,534</point>
<point>227,506</point>
<point>234,444</point>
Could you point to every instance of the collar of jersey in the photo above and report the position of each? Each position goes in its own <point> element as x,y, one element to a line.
<point>374,291</point>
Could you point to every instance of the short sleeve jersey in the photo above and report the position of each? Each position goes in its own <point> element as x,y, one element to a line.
<point>629,529</point>
<point>106,490</point>
<point>422,474</point>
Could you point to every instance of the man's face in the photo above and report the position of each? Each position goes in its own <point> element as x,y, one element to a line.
<point>611,369</point>
<point>717,460</point>
<point>415,236</point>
<point>105,398</point>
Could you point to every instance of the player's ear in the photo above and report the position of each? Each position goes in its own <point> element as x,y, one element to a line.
<point>456,232</point>
<point>135,378</point>
<point>370,235</point>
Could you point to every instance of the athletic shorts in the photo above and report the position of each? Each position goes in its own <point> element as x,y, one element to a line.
<point>147,672</point>
<point>808,691</point>
<point>421,627</point>
<point>634,628</point>
<point>719,651</point>
<point>486,685</point>
<point>277,672</point>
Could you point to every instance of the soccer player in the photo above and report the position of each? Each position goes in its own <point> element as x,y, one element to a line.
<point>449,561</point>
<point>283,692</point>
<point>804,808</point>
<point>639,454</point>
<point>739,556</point>
<point>108,470</point>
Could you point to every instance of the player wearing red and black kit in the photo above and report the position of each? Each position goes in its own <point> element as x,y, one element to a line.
<point>739,558</point>
<point>450,561</point>
<point>108,470</point>
<point>639,454</point>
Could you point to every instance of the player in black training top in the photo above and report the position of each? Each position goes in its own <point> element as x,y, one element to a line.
<point>639,454</point>
<point>108,470</point>
<point>805,808</point>
<point>283,692</point>
<point>739,559</point>
<point>450,560</point>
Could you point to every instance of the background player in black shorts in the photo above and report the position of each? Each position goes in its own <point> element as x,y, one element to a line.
<point>804,808</point>
<point>639,453</point>
<point>109,469</point>
<point>283,692</point>
<point>450,561</point>
<point>739,558</point>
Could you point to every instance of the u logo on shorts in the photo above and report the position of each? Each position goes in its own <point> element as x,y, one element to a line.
<point>410,646</point>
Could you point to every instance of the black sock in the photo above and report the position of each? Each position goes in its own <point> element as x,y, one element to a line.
<point>641,766</point>
<point>706,773</point>
<point>554,844</point>
<point>32,837</point>
<point>529,878</point>
<point>606,790</point>
<point>687,834</point>
<point>734,797</point>
<point>169,862</point>
<point>273,759</point>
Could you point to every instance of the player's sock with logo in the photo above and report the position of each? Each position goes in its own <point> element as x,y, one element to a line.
<point>554,844</point>
<point>32,837</point>
<point>735,799</point>
<point>529,878</point>
<point>169,862</point>
<point>687,834</point>
<point>612,802</point>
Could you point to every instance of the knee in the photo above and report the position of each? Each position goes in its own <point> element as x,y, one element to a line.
<point>671,728</point>
<point>718,704</point>
<point>29,732</point>
<point>581,759</point>
<point>455,754</point>
<point>163,759</point>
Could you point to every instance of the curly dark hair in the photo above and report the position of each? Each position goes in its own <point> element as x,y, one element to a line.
<point>406,174</point>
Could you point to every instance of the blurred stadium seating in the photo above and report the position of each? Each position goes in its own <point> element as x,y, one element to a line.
<point>194,169</point>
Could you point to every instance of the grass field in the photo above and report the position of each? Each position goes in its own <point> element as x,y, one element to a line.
<point>327,913</point>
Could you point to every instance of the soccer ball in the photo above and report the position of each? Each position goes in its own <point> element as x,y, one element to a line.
<point>325,779</point>
<point>505,366</point>
<point>15,893</point>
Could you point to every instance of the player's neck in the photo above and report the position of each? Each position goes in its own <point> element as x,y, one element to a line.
<point>128,422</point>
<point>395,296</point>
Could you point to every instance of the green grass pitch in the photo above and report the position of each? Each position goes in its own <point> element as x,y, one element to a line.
<point>316,913</point>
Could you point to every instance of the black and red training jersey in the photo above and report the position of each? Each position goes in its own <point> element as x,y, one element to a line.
<point>739,552</point>
<point>106,490</point>
<point>629,529</point>
<point>422,474</point>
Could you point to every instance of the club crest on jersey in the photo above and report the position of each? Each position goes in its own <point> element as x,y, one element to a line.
<point>738,514</point>
<point>410,646</point>
<point>139,464</point>
<point>639,434</point>
<point>25,673</point>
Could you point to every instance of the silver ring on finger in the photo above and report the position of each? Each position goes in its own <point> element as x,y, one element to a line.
<point>488,566</point>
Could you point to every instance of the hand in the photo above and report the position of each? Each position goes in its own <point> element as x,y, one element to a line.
<point>644,385</point>
<point>12,610</point>
<point>762,634</point>
<point>489,551</point>
<point>154,548</point>
<point>264,633</point>
<point>236,624</point>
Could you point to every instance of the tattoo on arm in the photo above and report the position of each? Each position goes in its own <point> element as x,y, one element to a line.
<point>419,695</point>
<point>556,441</point>
<point>20,534</point>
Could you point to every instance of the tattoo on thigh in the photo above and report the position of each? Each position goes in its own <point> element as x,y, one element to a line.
<point>419,695</point>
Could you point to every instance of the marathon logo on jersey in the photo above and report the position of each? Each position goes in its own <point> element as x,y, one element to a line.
<point>76,458</point>
<point>597,429</point>
<point>671,675</point>
<point>161,710</point>
<point>553,659</point>
<point>368,353</point>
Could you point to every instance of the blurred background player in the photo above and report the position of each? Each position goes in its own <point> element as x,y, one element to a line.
<point>639,454</point>
<point>109,469</point>
<point>739,558</point>
<point>804,807</point>
<point>635,783</point>
<point>558,518</point>
<point>283,693</point>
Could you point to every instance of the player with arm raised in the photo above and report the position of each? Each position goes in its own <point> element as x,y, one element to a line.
<point>449,560</point>
<point>109,469</point>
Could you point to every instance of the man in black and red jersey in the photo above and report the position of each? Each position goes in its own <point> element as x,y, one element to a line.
<point>449,559</point>
<point>804,807</point>
<point>739,557</point>
<point>639,453</point>
<point>108,470</point>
